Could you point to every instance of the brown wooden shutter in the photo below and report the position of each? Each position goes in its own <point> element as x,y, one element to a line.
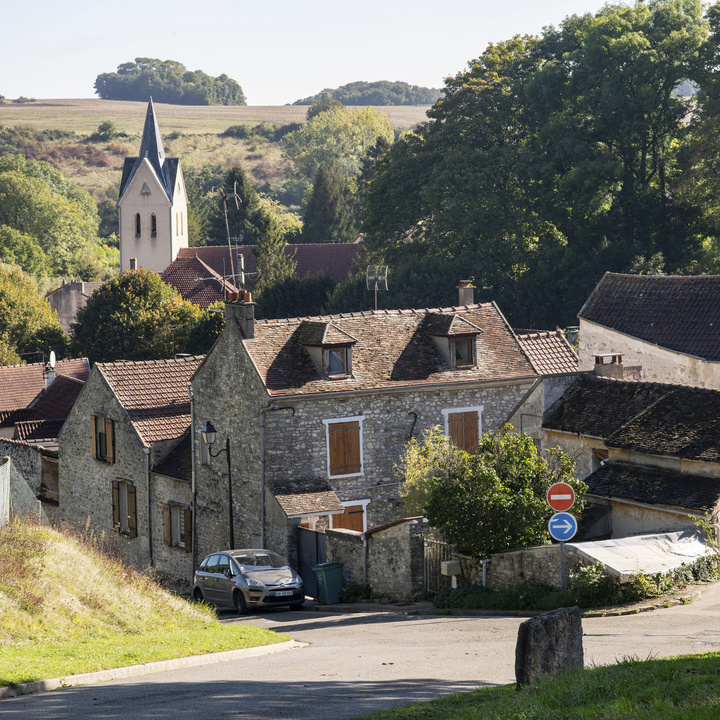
<point>116,505</point>
<point>463,430</point>
<point>188,530</point>
<point>132,511</point>
<point>344,443</point>
<point>167,525</point>
<point>351,519</point>
<point>93,435</point>
<point>110,440</point>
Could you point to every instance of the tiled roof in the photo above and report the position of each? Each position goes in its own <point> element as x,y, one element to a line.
<point>87,288</point>
<point>392,523</point>
<point>334,258</point>
<point>654,486</point>
<point>9,418</point>
<point>154,394</point>
<point>684,423</point>
<point>39,432</point>
<point>444,325</point>
<point>318,333</point>
<point>178,462</point>
<point>305,497</point>
<point>196,281</point>
<point>393,350</point>
<point>549,352</point>
<point>21,384</point>
<point>599,406</point>
<point>678,313</point>
<point>58,399</point>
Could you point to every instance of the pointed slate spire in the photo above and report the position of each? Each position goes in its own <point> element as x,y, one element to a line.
<point>151,146</point>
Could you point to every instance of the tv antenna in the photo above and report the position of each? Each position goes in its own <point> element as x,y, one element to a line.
<point>224,194</point>
<point>376,276</point>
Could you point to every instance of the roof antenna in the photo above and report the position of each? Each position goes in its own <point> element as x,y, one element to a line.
<point>376,275</point>
<point>224,194</point>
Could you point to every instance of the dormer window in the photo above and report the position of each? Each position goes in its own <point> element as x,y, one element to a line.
<point>464,351</point>
<point>456,339</point>
<point>329,347</point>
<point>337,360</point>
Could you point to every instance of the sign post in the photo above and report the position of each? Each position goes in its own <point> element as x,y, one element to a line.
<point>562,526</point>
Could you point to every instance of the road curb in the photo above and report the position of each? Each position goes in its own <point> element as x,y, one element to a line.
<point>39,686</point>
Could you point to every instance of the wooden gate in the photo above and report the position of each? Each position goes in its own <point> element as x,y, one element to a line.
<point>435,552</point>
<point>312,550</point>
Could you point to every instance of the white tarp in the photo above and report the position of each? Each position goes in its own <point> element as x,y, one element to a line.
<point>648,554</point>
<point>4,490</point>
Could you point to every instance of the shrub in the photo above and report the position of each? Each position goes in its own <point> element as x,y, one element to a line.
<point>236,131</point>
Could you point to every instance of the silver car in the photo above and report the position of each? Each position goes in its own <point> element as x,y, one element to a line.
<point>245,579</point>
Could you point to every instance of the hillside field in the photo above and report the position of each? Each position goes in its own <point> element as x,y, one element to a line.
<point>83,116</point>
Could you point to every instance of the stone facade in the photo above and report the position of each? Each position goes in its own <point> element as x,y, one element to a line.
<point>287,439</point>
<point>348,548</point>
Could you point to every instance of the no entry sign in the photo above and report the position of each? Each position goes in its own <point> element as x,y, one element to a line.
<point>560,497</point>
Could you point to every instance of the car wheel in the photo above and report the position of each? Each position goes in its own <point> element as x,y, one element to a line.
<point>239,602</point>
<point>197,595</point>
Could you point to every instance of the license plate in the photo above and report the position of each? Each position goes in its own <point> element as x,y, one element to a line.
<point>283,593</point>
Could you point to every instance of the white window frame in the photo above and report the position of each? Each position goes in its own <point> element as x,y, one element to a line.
<point>348,503</point>
<point>334,421</point>
<point>451,411</point>
<point>177,519</point>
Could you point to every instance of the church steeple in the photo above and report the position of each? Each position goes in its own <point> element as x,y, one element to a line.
<point>151,146</point>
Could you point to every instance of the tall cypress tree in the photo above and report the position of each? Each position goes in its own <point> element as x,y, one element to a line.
<point>329,215</point>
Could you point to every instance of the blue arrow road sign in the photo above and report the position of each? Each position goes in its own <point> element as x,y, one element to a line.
<point>562,526</point>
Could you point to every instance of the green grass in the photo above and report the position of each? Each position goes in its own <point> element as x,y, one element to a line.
<point>669,689</point>
<point>68,607</point>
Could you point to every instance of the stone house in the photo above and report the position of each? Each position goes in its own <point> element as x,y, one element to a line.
<point>121,472</point>
<point>69,298</point>
<point>317,411</point>
<point>649,453</point>
<point>655,329</point>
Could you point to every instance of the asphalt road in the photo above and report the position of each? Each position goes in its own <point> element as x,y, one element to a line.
<point>357,663</point>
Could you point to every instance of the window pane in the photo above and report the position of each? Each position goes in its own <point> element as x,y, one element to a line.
<point>336,362</point>
<point>463,351</point>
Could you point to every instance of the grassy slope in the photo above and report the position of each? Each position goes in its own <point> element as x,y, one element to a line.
<point>189,132</point>
<point>66,608</point>
<point>668,689</point>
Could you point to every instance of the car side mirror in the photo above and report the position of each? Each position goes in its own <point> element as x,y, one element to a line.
<point>228,573</point>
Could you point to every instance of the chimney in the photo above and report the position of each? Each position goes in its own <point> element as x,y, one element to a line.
<point>49,374</point>
<point>242,309</point>
<point>133,263</point>
<point>466,295</point>
<point>611,366</point>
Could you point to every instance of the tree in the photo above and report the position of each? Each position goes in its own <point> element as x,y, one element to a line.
<point>45,210</point>
<point>381,92</point>
<point>274,264</point>
<point>170,82</point>
<point>244,216</point>
<point>323,105</point>
<point>328,215</point>
<point>337,134</point>
<point>550,160</point>
<point>485,502</point>
<point>134,316</point>
<point>27,322</point>
<point>295,297</point>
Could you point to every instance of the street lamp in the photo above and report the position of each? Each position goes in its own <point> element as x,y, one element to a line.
<point>209,433</point>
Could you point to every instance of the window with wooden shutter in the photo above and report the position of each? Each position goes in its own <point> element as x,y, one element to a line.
<point>344,446</point>
<point>177,526</point>
<point>353,518</point>
<point>463,427</point>
<point>124,508</point>
<point>102,431</point>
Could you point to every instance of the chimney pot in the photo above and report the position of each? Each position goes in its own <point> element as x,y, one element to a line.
<point>466,296</point>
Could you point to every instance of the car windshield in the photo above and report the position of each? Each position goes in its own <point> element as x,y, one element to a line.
<point>259,558</point>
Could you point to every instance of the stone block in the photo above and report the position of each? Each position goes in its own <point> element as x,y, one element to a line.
<point>548,644</point>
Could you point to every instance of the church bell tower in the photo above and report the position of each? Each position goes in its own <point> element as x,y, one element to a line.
<point>152,204</point>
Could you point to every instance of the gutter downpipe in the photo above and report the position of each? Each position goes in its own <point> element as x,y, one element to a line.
<point>193,487</point>
<point>268,408</point>
<point>146,450</point>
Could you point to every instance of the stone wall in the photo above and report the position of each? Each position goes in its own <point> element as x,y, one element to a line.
<point>85,484</point>
<point>527,416</point>
<point>537,564</point>
<point>26,473</point>
<point>347,547</point>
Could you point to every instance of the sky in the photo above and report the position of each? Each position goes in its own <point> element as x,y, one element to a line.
<point>278,50</point>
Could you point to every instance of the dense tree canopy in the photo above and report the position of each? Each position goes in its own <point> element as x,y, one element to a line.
<point>134,316</point>
<point>27,322</point>
<point>41,211</point>
<point>337,134</point>
<point>485,502</point>
<point>329,215</point>
<point>169,82</point>
<point>550,160</point>
<point>381,92</point>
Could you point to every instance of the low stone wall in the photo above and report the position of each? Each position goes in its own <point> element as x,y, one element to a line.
<point>346,546</point>
<point>537,564</point>
<point>395,558</point>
